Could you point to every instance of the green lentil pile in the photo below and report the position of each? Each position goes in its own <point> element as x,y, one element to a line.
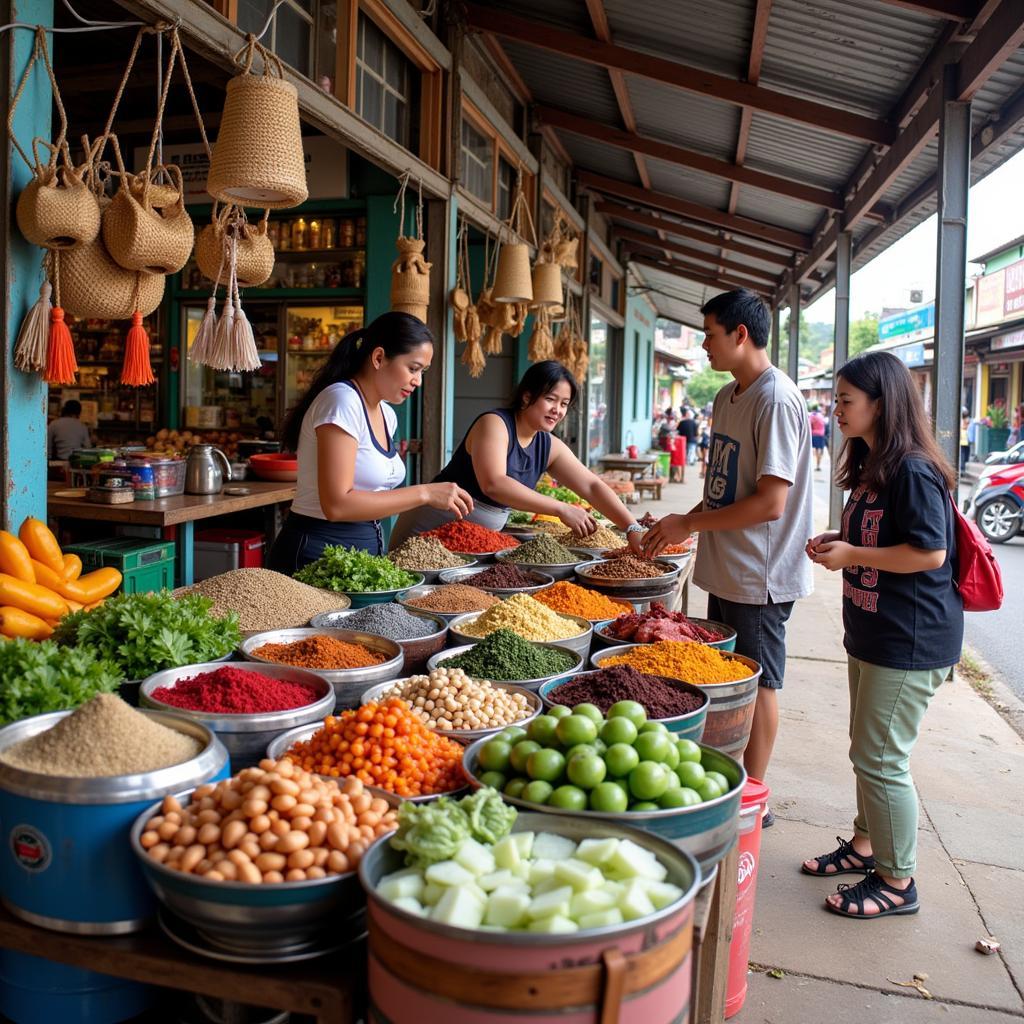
<point>542,551</point>
<point>425,553</point>
<point>505,657</point>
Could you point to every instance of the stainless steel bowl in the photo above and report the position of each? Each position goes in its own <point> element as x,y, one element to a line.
<point>280,745</point>
<point>468,735</point>
<point>245,735</point>
<point>247,918</point>
<point>480,557</point>
<point>579,643</point>
<point>527,684</point>
<point>422,591</point>
<point>416,651</point>
<point>544,580</point>
<point>433,575</point>
<point>727,644</point>
<point>557,571</point>
<point>585,573</point>
<point>520,533</point>
<point>348,683</point>
<point>361,598</point>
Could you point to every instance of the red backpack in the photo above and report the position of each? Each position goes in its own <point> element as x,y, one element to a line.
<point>978,578</point>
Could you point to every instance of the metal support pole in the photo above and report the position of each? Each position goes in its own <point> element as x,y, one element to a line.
<point>793,361</point>
<point>840,352</point>
<point>951,265</point>
<point>776,339</point>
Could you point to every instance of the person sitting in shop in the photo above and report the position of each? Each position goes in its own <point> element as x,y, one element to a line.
<point>504,454</point>
<point>342,429</point>
<point>67,432</point>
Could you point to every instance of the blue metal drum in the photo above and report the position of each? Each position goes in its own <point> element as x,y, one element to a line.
<point>65,858</point>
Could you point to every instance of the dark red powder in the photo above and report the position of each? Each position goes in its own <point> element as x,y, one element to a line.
<point>503,576</point>
<point>661,697</point>
<point>236,691</point>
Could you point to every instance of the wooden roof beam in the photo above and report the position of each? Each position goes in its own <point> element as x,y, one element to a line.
<point>698,275</point>
<point>687,158</point>
<point>680,76</point>
<point>639,238</point>
<point>694,211</point>
<point>671,227</point>
<point>951,10</point>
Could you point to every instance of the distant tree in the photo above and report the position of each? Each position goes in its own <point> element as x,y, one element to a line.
<point>702,387</point>
<point>863,333</point>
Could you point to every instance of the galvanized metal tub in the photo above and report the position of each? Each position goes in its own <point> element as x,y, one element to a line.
<point>727,643</point>
<point>580,643</point>
<point>424,971</point>
<point>415,651</point>
<point>428,589</point>
<point>245,735</point>
<point>529,684</point>
<point>543,581</point>
<point>66,863</point>
<point>557,570</point>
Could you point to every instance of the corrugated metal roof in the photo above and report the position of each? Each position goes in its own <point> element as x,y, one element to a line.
<point>569,14</point>
<point>775,209</point>
<point>690,185</point>
<point>591,155</point>
<point>674,297</point>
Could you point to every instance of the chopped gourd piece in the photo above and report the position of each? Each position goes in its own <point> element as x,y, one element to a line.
<point>554,902</point>
<point>555,924</point>
<point>458,908</point>
<point>551,847</point>
<point>601,918</point>
<point>448,872</point>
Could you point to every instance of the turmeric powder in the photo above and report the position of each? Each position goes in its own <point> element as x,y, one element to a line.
<point>570,599</point>
<point>682,659</point>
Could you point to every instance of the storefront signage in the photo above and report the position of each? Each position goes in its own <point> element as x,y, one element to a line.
<point>326,168</point>
<point>1015,339</point>
<point>912,322</point>
<point>1001,294</point>
<point>912,355</point>
<point>1013,297</point>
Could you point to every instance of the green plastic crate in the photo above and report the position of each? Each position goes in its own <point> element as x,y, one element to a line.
<point>146,565</point>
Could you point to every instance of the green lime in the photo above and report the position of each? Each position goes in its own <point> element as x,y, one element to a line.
<point>537,792</point>
<point>591,711</point>
<point>688,751</point>
<point>494,755</point>
<point>515,787</point>
<point>678,796</point>
<point>709,789</point>
<point>575,729</point>
<point>609,798</point>
<point>545,764</point>
<point>559,711</point>
<point>723,783</point>
<point>521,754</point>
<point>621,759</point>
<point>690,773</point>
<point>629,709</point>
<point>644,805</point>
<point>512,735</point>
<point>672,755</point>
<point>493,779</point>
<point>542,730</point>
<point>586,770</point>
<point>653,746</point>
<point>568,798</point>
<point>648,780</point>
<point>653,725</point>
<point>618,730</point>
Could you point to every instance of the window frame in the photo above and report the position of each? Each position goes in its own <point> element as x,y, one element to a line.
<point>500,150</point>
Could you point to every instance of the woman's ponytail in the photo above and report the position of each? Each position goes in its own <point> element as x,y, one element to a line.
<point>394,333</point>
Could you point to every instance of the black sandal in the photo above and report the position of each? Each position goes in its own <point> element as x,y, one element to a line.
<point>873,888</point>
<point>844,852</point>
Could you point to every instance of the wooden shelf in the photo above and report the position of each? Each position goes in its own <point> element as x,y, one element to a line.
<point>318,255</point>
<point>286,294</point>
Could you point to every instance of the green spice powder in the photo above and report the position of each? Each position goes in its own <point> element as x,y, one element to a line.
<point>542,551</point>
<point>503,656</point>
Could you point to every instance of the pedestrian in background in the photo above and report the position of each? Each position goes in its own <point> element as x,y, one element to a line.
<point>902,615</point>
<point>688,432</point>
<point>819,441</point>
<point>965,444</point>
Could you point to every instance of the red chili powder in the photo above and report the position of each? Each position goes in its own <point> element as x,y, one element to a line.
<point>460,535</point>
<point>235,691</point>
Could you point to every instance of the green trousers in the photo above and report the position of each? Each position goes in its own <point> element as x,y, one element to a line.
<point>886,709</point>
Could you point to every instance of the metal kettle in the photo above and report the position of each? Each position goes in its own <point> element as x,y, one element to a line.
<point>202,474</point>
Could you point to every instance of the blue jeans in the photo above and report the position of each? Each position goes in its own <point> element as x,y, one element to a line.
<point>302,540</point>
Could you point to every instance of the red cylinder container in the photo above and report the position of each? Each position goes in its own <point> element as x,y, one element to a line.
<point>755,799</point>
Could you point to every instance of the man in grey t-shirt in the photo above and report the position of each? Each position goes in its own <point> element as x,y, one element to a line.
<point>756,514</point>
<point>67,432</point>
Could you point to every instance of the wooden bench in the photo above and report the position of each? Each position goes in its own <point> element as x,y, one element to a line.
<point>650,484</point>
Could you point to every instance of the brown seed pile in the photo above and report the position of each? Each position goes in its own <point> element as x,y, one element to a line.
<point>629,567</point>
<point>103,737</point>
<point>454,597</point>
<point>265,599</point>
<point>425,553</point>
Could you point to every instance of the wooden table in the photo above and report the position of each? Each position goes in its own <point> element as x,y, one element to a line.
<point>179,510</point>
<point>641,466</point>
<point>330,989</point>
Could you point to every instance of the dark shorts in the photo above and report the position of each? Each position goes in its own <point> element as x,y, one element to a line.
<point>760,634</point>
<point>302,540</point>
<point>819,441</point>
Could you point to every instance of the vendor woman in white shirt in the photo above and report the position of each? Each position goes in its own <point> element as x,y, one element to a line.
<point>342,431</point>
<point>505,453</point>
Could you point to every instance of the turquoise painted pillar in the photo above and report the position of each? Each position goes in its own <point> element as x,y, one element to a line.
<point>448,345</point>
<point>23,409</point>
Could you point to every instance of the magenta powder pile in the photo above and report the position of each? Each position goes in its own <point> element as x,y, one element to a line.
<point>660,697</point>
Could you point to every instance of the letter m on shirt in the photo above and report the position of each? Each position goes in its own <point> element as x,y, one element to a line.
<point>723,471</point>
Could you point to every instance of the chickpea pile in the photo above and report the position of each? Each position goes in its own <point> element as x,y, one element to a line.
<point>449,700</point>
<point>271,823</point>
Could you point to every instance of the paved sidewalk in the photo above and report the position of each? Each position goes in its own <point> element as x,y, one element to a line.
<point>969,770</point>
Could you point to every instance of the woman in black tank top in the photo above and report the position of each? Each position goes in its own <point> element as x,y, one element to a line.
<point>506,451</point>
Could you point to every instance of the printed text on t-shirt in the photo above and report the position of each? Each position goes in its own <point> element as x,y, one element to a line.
<point>723,471</point>
<point>864,596</point>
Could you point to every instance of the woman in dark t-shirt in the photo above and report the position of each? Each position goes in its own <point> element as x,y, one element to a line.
<point>902,615</point>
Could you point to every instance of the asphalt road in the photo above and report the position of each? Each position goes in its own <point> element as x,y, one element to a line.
<point>997,636</point>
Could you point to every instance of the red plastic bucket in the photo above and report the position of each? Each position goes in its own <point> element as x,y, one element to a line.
<point>755,799</point>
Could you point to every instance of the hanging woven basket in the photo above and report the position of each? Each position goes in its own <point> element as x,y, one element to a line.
<point>547,284</point>
<point>512,282</point>
<point>93,285</point>
<point>258,158</point>
<point>254,256</point>
<point>410,279</point>
<point>56,209</point>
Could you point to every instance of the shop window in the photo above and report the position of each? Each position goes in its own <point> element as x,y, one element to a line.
<point>613,295</point>
<point>506,188</point>
<point>384,84</point>
<point>596,274</point>
<point>477,163</point>
<point>291,31</point>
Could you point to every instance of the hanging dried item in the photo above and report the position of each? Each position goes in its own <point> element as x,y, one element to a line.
<point>566,247</point>
<point>258,158</point>
<point>410,273</point>
<point>581,359</point>
<point>512,280</point>
<point>254,258</point>
<point>55,210</point>
<point>542,344</point>
<point>460,298</point>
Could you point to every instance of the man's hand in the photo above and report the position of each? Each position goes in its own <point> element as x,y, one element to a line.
<point>635,540</point>
<point>834,555</point>
<point>673,529</point>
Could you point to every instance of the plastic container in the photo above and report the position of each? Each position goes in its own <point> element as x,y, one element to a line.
<point>220,551</point>
<point>168,476</point>
<point>755,799</point>
<point>431,973</point>
<point>145,564</point>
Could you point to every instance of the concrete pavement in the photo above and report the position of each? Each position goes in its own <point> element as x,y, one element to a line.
<point>969,771</point>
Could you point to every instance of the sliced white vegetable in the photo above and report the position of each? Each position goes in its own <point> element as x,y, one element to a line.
<point>506,909</point>
<point>399,884</point>
<point>448,872</point>
<point>597,851</point>
<point>409,904</point>
<point>556,924</point>
<point>591,902</point>
<point>551,847</point>
<point>601,918</point>
<point>635,902</point>
<point>475,858</point>
<point>554,902</point>
<point>459,908</point>
<point>579,874</point>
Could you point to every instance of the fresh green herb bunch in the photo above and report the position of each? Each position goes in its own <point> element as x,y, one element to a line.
<point>144,633</point>
<point>505,656</point>
<point>346,569</point>
<point>519,518</point>
<point>42,677</point>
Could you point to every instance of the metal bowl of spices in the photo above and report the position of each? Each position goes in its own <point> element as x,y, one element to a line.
<point>433,575</point>
<point>392,621</point>
<point>541,580</point>
<point>280,745</point>
<point>245,733</point>
<point>361,598</point>
<point>556,570</point>
<point>440,660</point>
<point>419,554</point>
<point>580,642</point>
<point>478,557</point>
<point>536,707</point>
<point>520,533</point>
<point>425,592</point>
<point>348,683</point>
<point>589,574</point>
<point>726,641</point>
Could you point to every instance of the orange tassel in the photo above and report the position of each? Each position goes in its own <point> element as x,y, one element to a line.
<point>136,370</point>
<point>61,365</point>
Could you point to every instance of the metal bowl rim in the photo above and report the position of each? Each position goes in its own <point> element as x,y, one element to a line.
<point>672,575</point>
<point>691,687</point>
<point>245,648</point>
<point>422,613</point>
<point>499,556</point>
<point>576,637</point>
<point>618,650</point>
<point>548,581</point>
<point>451,652</point>
<point>708,622</point>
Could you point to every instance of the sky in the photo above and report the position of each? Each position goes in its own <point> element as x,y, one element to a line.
<point>995,214</point>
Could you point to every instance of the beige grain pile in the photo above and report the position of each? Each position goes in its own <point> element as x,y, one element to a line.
<point>103,737</point>
<point>265,599</point>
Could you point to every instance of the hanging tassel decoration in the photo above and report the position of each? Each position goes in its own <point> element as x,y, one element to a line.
<point>243,342</point>
<point>492,341</point>
<point>61,365</point>
<point>220,357</point>
<point>31,348</point>
<point>202,345</point>
<point>136,370</point>
<point>473,357</point>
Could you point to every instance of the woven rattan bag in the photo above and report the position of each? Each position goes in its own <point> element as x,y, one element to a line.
<point>254,257</point>
<point>56,209</point>
<point>93,285</point>
<point>258,158</point>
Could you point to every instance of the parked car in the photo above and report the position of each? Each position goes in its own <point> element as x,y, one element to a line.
<point>1014,454</point>
<point>996,502</point>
